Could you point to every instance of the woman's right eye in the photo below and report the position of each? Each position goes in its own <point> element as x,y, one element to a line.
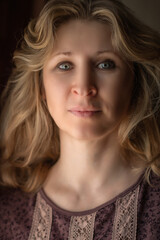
<point>65,66</point>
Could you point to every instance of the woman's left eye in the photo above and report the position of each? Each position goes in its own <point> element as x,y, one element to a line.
<point>107,65</point>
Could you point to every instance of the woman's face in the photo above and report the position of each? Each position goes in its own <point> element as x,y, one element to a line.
<point>87,84</point>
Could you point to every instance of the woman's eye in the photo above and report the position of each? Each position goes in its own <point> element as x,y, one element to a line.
<point>107,65</point>
<point>64,66</point>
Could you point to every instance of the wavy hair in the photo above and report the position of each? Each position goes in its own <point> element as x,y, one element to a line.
<point>29,141</point>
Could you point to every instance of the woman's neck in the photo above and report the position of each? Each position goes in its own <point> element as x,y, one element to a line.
<point>88,174</point>
<point>89,161</point>
<point>87,165</point>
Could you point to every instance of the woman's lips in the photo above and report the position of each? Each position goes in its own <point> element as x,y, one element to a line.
<point>84,112</point>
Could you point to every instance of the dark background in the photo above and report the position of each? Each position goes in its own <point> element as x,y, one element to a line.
<point>15,14</point>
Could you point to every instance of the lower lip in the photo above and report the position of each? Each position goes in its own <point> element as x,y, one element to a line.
<point>85,114</point>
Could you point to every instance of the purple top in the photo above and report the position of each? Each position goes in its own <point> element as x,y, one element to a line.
<point>133,214</point>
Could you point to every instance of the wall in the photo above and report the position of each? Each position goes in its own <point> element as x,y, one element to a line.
<point>14,16</point>
<point>146,10</point>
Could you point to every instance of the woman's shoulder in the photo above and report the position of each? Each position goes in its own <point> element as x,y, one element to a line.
<point>16,212</point>
<point>148,218</point>
<point>154,183</point>
<point>14,198</point>
<point>150,192</point>
<point>155,179</point>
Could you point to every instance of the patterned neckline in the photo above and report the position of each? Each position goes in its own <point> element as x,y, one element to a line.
<point>54,206</point>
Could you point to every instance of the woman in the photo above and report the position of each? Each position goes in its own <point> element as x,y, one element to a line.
<point>80,132</point>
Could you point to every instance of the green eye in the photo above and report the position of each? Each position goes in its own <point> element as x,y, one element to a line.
<point>107,65</point>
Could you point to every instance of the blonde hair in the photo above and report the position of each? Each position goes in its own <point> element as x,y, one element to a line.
<point>29,142</point>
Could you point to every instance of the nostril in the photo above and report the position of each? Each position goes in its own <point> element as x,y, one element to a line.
<point>85,92</point>
<point>75,92</point>
<point>91,92</point>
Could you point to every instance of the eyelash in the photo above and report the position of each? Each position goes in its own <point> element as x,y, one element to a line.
<point>109,62</point>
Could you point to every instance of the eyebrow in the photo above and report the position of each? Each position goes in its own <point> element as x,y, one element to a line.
<point>70,53</point>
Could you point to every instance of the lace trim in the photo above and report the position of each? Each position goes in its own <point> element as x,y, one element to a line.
<point>82,227</point>
<point>125,222</point>
<point>42,220</point>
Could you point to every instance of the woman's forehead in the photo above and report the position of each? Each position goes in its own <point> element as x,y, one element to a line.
<point>78,35</point>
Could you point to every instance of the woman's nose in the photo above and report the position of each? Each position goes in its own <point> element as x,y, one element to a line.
<point>84,84</point>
